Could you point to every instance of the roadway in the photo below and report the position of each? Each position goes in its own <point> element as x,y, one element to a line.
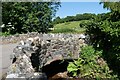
<point>5,51</point>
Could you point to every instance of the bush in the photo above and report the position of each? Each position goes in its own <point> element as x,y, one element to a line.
<point>90,65</point>
<point>83,23</point>
<point>105,35</point>
<point>4,34</point>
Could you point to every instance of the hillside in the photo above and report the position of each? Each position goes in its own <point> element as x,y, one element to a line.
<point>68,27</point>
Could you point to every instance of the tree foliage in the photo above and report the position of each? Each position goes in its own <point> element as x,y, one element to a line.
<point>115,10</point>
<point>78,17</point>
<point>28,16</point>
<point>105,34</point>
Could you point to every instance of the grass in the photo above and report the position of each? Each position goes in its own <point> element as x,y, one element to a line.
<point>4,34</point>
<point>68,27</point>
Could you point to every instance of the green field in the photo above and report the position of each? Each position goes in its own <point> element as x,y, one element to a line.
<point>68,27</point>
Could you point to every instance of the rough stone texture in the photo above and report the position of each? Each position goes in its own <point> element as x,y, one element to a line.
<point>34,53</point>
<point>16,38</point>
<point>60,75</point>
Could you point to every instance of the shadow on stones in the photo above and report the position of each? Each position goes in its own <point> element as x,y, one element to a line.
<point>55,67</point>
<point>14,59</point>
<point>35,61</point>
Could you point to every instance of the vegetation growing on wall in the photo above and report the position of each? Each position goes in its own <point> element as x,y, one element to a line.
<point>90,65</point>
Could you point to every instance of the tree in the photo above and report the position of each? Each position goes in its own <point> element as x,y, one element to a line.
<point>85,16</point>
<point>28,16</point>
<point>105,34</point>
<point>78,17</point>
<point>69,18</point>
<point>115,9</point>
<point>57,20</point>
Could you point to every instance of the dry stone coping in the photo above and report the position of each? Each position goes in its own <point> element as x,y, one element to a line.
<point>18,37</point>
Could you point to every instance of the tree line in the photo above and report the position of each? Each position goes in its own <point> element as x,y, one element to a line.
<point>78,17</point>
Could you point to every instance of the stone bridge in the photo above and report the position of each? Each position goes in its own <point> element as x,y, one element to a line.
<point>34,55</point>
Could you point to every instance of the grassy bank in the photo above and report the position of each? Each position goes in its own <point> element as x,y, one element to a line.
<point>68,27</point>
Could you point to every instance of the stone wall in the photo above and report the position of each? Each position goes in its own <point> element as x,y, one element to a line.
<point>34,53</point>
<point>16,38</point>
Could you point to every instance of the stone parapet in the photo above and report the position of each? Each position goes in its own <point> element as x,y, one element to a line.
<point>35,52</point>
